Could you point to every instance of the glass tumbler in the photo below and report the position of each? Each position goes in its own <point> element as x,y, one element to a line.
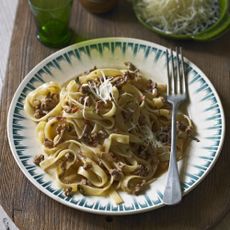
<point>52,21</point>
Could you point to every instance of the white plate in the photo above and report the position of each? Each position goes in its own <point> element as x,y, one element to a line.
<point>205,110</point>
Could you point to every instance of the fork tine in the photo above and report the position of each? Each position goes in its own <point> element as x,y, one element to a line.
<point>168,74</point>
<point>174,91</point>
<point>184,90</point>
<point>178,71</point>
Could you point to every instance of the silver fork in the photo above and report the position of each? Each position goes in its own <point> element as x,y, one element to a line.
<point>176,94</point>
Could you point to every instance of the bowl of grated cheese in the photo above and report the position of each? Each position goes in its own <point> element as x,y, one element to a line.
<point>200,20</point>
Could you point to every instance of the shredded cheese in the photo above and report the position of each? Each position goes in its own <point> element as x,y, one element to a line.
<point>84,106</point>
<point>179,16</point>
<point>104,90</point>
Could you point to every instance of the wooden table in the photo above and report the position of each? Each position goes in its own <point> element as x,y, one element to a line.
<point>7,15</point>
<point>203,208</point>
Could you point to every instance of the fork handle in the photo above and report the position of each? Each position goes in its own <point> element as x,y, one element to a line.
<point>172,193</point>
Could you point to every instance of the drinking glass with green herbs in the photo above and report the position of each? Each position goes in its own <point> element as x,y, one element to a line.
<point>52,20</point>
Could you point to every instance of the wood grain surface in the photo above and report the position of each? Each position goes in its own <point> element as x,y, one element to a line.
<point>203,208</point>
<point>7,15</point>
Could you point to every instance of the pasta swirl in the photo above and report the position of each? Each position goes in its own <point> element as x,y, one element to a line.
<point>105,131</point>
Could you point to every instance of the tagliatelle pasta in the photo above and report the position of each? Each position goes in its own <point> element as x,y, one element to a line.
<point>106,131</point>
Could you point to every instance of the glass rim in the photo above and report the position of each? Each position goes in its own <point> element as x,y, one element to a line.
<point>42,9</point>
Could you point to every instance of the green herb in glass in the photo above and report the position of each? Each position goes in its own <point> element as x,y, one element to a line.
<point>52,20</point>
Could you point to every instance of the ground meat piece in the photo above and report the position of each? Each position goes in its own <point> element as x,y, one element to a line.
<point>48,143</point>
<point>155,127</point>
<point>126,114</point>
<point>85,89</point>
<point>64,164</point>
<point>111,157</point>
<point>116,78</point>
<point>89,101</point>
<point>91,70</point>
<point>134,146</point>
<point>55,97</point>
<point>64,126</point>
<point>81,100</point>
<point>87,129</point>
<point>164,134</point>
<point>141,121</point>
<point>144,155</point>
<point>189,132</point>
<point>93,142</point>
<point>150,82</point>
<point>44,106</point>
<point>87,139</point>
<point>50,101</point>
<point>194,138</point>
<point>99,105</point>
<point>74,109</point>
<point>166,129</point>
<point>69,127</point>
<point>67,107</point>
<point>152,87</point>
<point>85,100</point>
<point>93,139</point>
<point>102,134</point>
<point>119,81</point>
<point>60,118</point>
<point>186,130</point>
<point>87,136</point>
<point>142,152</point>
<point>69,156</point>
<point>142,171</point>
<point>181,126</point>
<point>139,188</point>
<point>87,165</point>
<point>68,191</point>
<point>114,156</point>
<point>60,128</point>
<point>71,108</point>
<point>163,137</point>
<point>39,113</point>
<point>116,174</point>
<point>38,159</point>
<point>129,76</point>
<point>131,66</point>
